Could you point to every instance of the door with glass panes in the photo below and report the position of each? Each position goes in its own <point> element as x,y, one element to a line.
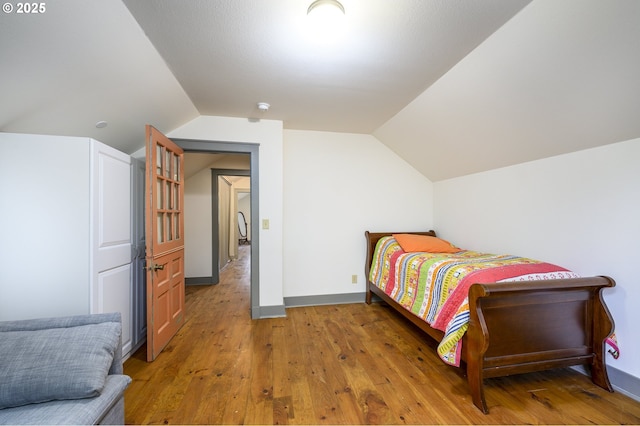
<point>164,234</point>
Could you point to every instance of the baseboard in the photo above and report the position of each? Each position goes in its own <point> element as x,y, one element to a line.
<point>275,311</point>
<point>133,350</point>
<point>278,311</point>
<point>324,299</point>
<point>199,281</point>
<point>624,383</point>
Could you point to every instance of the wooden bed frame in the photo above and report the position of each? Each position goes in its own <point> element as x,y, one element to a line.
<point>516,328</point>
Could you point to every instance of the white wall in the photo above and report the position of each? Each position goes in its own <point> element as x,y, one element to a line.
<point>44,248</point>
<point>267,133</point>
<point>197,225</point>
<point>579,210</point>
<point>336,186</point>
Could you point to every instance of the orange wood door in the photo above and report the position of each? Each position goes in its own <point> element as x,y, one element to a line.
<point>164,233</point>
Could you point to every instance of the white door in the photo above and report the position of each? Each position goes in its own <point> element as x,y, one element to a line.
<point>111,235</point>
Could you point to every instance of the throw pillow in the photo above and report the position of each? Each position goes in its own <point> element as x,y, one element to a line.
<point>55,364</point>
<point>424,243</point>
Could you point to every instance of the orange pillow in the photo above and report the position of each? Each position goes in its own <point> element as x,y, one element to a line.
<point>426,243</point>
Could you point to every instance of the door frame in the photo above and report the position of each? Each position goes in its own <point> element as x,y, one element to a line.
<point>220,147</point>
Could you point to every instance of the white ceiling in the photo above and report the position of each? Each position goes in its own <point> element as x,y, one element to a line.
<point>230,54</point>
<point>434,80</point>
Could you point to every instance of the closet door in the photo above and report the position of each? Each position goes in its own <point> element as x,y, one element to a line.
<point>110,262</point>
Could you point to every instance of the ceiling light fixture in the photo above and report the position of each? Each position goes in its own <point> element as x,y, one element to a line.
<point>325,6</point>
<point>326,22</point>
<point>263,106</point>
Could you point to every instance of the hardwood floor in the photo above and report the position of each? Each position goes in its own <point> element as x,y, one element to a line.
<point>342,364</point>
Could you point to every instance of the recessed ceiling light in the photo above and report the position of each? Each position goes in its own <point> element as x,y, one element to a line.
<point>101,124</point>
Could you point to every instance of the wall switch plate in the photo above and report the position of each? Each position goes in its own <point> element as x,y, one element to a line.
<point>265,223</point>
<point>354,279</point>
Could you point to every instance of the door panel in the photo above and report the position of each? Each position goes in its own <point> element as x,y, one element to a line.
<point>164,221</point>
<point>112,207</point>
<point>111,236</point>
<point>115,296</point>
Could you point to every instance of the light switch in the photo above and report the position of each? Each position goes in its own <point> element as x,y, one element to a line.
<point>265,223</point>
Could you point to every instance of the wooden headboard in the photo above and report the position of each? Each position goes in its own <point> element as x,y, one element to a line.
<point>372,240</point>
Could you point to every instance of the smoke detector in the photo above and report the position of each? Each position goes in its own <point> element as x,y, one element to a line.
<point>263,106</point>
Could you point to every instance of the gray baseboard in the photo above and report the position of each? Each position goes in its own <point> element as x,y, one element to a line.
<point>324,299</point>
<point>275,311</point>
<point>278,311</point>
<point>199,281</point>
<point>622,382</point>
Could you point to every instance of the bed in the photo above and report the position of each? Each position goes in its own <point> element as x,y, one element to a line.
<point>511,327</point>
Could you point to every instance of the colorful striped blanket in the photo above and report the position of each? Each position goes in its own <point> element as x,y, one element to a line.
<point>435,286</point>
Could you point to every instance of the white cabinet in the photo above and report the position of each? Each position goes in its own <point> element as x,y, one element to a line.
<point>66,243</point>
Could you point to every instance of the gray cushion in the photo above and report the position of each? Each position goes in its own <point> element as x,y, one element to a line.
<point>108,408</point>
<point>55,364</point>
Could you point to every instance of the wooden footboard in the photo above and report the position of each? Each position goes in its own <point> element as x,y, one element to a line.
<point>519,328</point>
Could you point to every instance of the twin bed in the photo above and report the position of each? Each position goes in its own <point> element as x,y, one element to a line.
<point>498,315</point>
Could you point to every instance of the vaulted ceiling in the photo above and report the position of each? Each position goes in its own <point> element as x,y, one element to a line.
<point>453,87</point>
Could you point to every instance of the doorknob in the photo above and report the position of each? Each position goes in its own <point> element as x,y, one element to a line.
<point>155,267</point>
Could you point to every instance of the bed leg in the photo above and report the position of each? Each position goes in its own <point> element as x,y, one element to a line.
<point>604,326</point>
<point>599,374</point>
<point>476,388</point>
<point>368,295</point>
<point>477,345</point>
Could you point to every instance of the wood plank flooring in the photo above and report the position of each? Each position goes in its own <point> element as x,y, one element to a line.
<point>342,364</point>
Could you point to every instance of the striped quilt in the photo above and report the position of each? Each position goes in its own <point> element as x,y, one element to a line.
<point>435,286</point>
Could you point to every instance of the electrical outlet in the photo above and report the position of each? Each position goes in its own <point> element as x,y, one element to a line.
<point>354,279</point>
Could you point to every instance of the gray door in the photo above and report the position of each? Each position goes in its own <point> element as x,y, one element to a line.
<point>138,273</point>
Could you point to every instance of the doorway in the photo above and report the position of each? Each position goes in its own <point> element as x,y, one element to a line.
<point>216,147</point>
<point>222,214</point>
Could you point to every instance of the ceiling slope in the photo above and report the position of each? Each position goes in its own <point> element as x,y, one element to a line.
<point>454,87</point>
<point>561,76</point>
<point>81,62</point>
